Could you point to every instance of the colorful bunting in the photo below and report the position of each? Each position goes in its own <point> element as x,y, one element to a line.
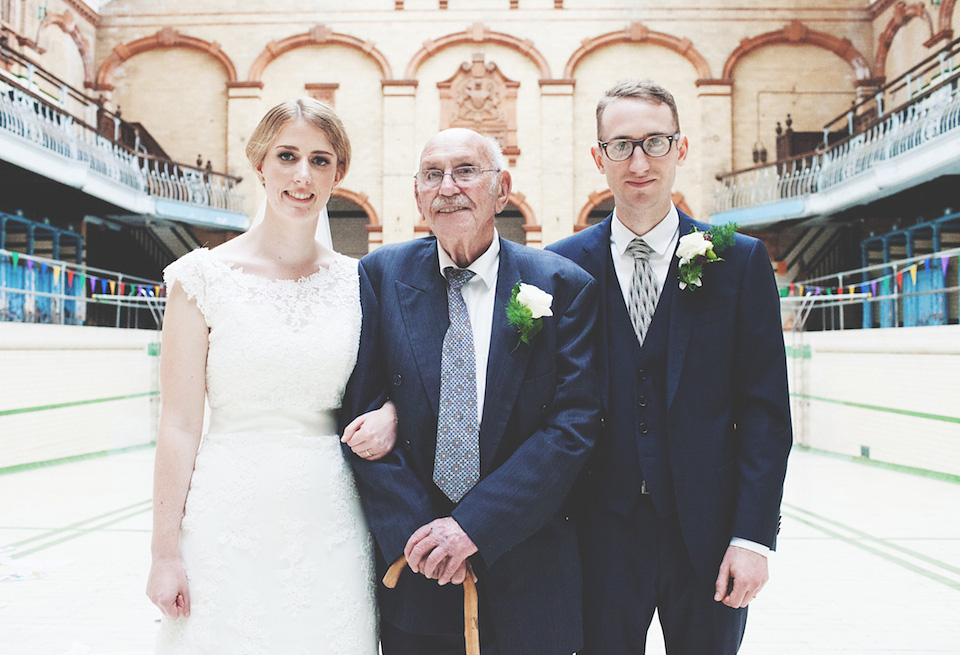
<point>113,287</point>
<point>16,258</point>
<point>913,273</point>
<point>56,275</point>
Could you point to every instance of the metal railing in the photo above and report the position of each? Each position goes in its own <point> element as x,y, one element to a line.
<point>42,290</point>
<point>914,291</point>
<point>36,108</point>
<point>931,112</point>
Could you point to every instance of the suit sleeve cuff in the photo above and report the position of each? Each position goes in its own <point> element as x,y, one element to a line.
<point>751,545</point>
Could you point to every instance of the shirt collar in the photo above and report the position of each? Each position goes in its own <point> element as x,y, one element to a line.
<point>658,238</point>
<point>484,267</point>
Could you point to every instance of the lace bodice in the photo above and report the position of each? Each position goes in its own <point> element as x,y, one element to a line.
<point>274,344</point>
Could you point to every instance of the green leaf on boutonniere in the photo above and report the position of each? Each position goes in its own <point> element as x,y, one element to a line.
<point>698,248</point>
<point>526,309</point>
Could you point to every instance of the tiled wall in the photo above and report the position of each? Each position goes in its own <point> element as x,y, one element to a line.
<point>68,391</point>
<point>890,394</point>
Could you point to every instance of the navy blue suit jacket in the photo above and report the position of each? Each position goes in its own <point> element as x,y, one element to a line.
<point>728,418</point>
<point>540,421</point>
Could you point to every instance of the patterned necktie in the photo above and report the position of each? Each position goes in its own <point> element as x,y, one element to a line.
<point>643,288</point>
<point>456,466</point>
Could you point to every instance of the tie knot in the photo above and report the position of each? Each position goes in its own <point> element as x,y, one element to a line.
<point>639,248</point>
<point>457,277</point>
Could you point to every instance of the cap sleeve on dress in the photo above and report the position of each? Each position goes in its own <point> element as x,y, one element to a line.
<point>190,271</point>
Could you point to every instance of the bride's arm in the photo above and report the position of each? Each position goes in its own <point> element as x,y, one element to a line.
<point>183,358</point>
<point>372,435</point>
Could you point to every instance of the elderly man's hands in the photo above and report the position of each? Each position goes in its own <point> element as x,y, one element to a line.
<point>439,550</point>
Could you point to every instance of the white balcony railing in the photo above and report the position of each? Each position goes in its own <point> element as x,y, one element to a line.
<point>935,117</point>
<point>30,118</point>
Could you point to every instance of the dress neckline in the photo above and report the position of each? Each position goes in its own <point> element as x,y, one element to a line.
<point>303,279</point>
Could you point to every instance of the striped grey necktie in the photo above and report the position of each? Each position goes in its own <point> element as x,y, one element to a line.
<point>456,466</point>
<point>643,288</point>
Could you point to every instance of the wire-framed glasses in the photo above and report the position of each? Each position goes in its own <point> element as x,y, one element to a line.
<point>461,175</point>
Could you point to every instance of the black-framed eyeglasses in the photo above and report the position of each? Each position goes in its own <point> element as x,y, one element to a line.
<point>461,175</point>
<point>655,146</point>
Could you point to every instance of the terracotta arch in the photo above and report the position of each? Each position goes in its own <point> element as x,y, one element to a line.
<point>797,32</point>
<point>639,33</point>
<point>519,201</point>
<point>945,20</point>
<point>361,200</point>
<point>164,38</point>
<point>595,199</point>
<point>478,33</point>
<point>598,197</point>
<point>318,35</point>
<point>65,22</point>
<point>902,14</point>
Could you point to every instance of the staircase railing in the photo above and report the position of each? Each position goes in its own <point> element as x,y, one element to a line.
<point>908,292</point>
<point>37,289</point>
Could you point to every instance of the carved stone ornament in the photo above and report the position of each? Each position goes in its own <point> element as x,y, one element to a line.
<point>481,98</point>
<point>322,92</point>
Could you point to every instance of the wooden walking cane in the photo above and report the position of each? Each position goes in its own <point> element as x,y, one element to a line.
<point>471,613</point>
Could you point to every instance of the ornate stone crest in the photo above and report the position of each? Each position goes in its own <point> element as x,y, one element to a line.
<point>481,98</point>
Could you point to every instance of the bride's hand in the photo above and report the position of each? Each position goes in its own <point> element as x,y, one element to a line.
<point>167,587</point>
<point>372,435</point>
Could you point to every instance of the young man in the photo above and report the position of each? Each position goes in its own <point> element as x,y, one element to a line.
<point>689,472</point>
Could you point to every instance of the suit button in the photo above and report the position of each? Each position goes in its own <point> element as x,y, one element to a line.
<point>407,445</point>
<point>603,421</point>
<point>643,428</point>
<point>642,374</point>
<point>642,402</point>
<point>397,380</point>
<point>543,409</point>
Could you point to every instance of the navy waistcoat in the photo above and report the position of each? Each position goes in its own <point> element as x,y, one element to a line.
<point>636,448</point>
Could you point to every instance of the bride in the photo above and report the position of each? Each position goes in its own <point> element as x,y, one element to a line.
<point>259,541</point>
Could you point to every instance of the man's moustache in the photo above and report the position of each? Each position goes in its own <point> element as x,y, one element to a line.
<point>454,202</point>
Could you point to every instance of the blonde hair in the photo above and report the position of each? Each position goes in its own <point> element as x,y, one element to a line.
<point>312,111</point>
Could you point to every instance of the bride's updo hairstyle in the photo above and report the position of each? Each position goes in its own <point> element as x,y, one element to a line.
<point>312,111</point>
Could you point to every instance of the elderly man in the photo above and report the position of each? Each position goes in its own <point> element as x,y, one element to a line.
<point>497,414</point>
<point>690,470</point>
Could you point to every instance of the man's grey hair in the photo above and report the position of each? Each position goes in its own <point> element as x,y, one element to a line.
<point>495,152</point>
<point>495,155</point>
<point>646,90</point>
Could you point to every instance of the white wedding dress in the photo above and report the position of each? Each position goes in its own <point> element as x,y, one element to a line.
<point>276,550</point>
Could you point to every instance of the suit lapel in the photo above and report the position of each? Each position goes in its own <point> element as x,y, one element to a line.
<point>505,365</point>
<point>681,320</point>
<point>423,305</point>
<point>597,262</point>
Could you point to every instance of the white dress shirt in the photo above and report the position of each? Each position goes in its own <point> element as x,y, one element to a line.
<point>662,240</point>
<point>479,295</point>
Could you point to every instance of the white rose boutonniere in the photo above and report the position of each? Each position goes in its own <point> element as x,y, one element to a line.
<point>698,248</point>
<point>526,309</point>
